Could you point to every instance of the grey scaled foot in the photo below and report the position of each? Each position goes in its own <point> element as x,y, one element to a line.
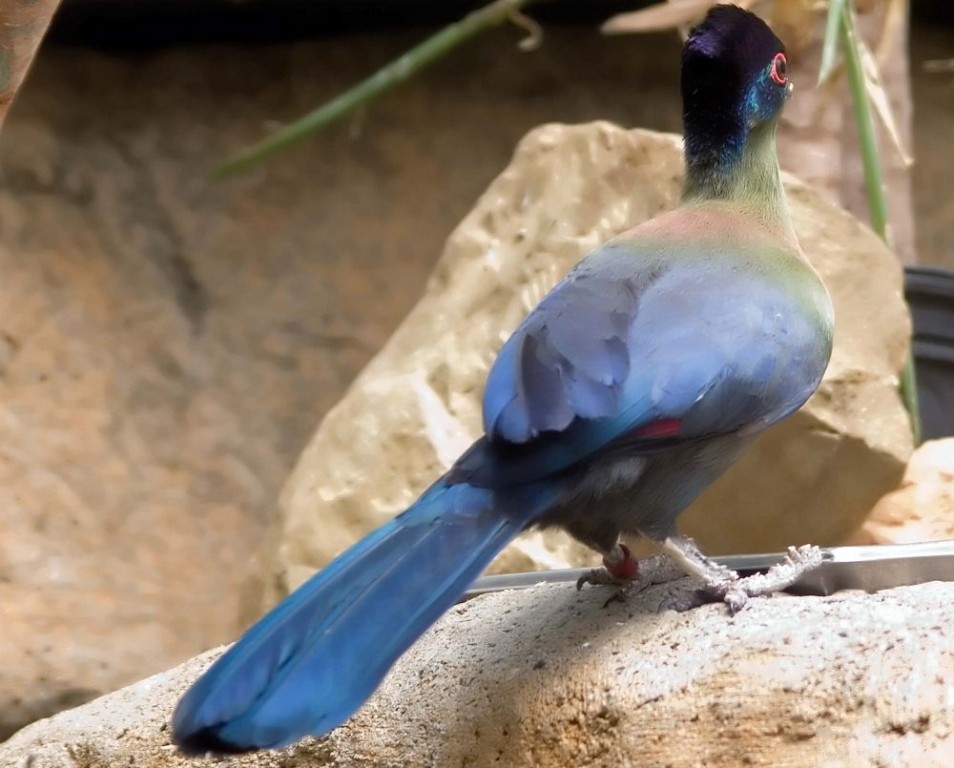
<point>620,570</point>
<point>720,584</point>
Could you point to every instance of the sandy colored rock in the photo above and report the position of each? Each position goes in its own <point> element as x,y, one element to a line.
<point>416,406</point>
<point>922,509</point>
<point>550,678</point>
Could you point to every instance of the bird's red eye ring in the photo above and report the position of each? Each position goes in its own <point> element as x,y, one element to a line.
<point>779,73</point>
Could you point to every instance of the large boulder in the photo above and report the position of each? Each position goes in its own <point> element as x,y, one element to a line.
<point>549,677</point>
<point>416,406</point>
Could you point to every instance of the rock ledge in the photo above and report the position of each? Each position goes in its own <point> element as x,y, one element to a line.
<point>549,677</point>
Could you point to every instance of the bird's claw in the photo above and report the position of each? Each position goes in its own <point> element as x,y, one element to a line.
<point>625,588</point>
<point>731,594</point>
<point>654,571</point>
<point>599,577</point>
<point>735,591</point>
<point>620,569</point>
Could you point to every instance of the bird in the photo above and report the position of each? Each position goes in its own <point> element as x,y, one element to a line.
<point>635,383</point>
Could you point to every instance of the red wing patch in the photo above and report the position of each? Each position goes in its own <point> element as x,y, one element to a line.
<point>661,428</point>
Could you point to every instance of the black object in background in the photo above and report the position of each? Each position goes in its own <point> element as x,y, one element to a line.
<point>930,294</point>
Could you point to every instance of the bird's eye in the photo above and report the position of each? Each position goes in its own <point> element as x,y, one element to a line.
<point>779,71</point>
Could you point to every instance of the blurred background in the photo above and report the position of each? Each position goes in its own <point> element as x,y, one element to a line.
<point>169,343</point>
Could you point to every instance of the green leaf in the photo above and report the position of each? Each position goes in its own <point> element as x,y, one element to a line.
<point>836,8</point>
<point>386,78</point>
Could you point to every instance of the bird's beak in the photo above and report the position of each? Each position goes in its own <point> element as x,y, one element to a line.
<point>788,89</point>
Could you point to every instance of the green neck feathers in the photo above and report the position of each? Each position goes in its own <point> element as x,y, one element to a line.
<point>748,182</point>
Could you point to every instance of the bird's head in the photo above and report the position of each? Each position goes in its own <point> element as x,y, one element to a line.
<point>734,79</point>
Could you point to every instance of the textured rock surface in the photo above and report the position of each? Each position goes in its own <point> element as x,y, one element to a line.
<point>922,509</point>
<point>551,678</point>
<point>416,406</point>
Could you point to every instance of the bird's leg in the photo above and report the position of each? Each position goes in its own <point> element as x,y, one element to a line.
<point>689,557</point>
<point>720,584</point>
<point>619,568</point>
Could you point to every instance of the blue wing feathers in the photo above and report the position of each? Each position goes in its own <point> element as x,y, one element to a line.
<point>632,337</point>
<point>541,386</point>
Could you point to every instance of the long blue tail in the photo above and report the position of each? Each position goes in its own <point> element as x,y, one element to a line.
<point>305,667</point>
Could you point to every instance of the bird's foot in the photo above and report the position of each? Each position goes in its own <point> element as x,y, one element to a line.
<point>620,569</point>
<point>652,572</point>
<point>734,591</point>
